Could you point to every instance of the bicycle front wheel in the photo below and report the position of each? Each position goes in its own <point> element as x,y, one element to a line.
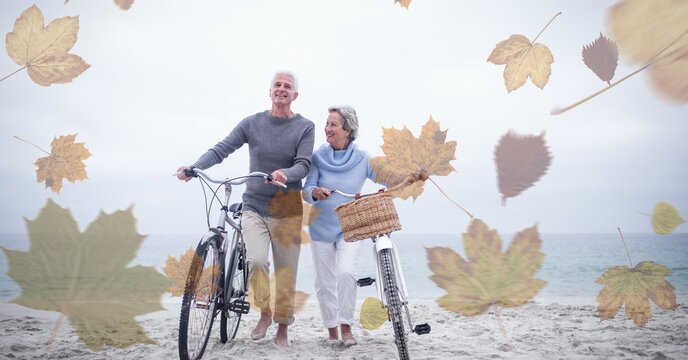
<point>394,305</point>
<point>237,276</point>
<point>200,299</point>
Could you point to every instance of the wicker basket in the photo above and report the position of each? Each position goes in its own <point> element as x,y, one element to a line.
<point>367,217</point>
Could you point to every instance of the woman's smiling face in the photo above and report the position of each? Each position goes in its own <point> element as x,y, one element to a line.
<point>335,133</point>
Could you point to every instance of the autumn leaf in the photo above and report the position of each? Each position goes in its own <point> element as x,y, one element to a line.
<point>122,4</point>
<point>655,33</point>
<point>665,218</point>
<point>632,288</point>
<point>373,313</point>
<point>521,161</point>
<point>86,276</point>
<point>406,154</point>
<point>286,275</point>
<point>523,60</point>
<point>177,270</point>
<point>64,162</point>
<point>44,50</point>
<point>403,3</point>
<point>287,207</point>
<point>601,57</point>
<point>489,277</point>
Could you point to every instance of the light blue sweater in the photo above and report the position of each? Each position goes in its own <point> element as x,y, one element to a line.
<point>344,170</point>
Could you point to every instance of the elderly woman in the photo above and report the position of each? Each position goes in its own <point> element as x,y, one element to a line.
<point>341,165</point>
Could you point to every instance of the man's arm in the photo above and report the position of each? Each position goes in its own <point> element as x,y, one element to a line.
<point>302,160</point>
<point>221,150</point>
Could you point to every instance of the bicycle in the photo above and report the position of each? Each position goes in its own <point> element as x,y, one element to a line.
<point>392,291</point>
<point>213,286</point>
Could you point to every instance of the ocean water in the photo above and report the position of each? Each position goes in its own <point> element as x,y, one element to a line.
<point>571,265</point>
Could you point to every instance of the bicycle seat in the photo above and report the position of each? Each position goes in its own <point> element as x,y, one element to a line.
<point>235,208</point>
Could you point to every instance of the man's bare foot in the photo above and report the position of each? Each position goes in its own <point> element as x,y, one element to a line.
<point>281,338</point>
<point>262,327</point>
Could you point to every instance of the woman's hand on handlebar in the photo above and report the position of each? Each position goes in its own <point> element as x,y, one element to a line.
<point>320,193</point>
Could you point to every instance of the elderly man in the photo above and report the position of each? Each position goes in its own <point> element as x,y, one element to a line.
<point>280,143</point>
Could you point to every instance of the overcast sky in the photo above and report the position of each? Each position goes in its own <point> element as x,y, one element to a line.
<point>170,78</point>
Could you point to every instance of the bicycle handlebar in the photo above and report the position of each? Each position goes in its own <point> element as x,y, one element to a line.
<point>356,195</point>
<point>234,181</point>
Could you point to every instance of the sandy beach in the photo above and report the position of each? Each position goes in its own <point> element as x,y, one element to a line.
<point>533,331</point>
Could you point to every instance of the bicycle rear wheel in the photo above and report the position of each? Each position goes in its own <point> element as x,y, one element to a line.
<point>394,305</point>
<point>200,299</point>
<point>237,276</point>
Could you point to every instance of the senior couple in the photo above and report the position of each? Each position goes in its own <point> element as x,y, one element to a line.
<point>281,144</point>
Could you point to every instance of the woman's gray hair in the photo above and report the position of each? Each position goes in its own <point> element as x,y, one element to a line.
<point>349,119</point>
<point>294,80</point>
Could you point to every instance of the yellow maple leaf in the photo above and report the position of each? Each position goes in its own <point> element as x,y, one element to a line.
<point>523,59</point>
<point>373,313</point>
<point>490,276</point>
<point>64,162</point>
<point>86,276</point>
<point>632,288</point>
<point>286,275</point>
<point>406,154</point>
<point>665,218</point>
<point>177,270</point>
<point>44,50</point>
<point>403,3</point>
<point>655,32</point>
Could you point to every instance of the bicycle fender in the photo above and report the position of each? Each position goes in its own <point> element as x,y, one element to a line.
<point>212,232</point>
<point>383,242</point>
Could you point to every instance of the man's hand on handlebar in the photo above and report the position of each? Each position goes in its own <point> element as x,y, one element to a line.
<point>278,176</point>
<point>181,173</point>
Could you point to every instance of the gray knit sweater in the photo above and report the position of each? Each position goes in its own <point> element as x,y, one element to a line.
<point>273,144</point>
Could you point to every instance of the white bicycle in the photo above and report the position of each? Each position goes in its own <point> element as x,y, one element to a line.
<point>391,290</point>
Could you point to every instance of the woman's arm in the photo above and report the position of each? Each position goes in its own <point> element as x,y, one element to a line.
<point>311,183</point>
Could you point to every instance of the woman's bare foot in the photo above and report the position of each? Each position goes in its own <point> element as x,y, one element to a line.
<point>262,327</point>
<point>333,334</point>
<point>347,337</point>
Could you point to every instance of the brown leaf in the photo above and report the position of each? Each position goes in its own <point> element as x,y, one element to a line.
<point>122,4</point>
<point>601,57</point>
<point>644,29</point>
<point>521,161</point>
<point>406,154</point>
<point>522,60</point>
<point>44,51</point>
<point>64,162</point>
<point>632,288</point>
<point>287,208</point>
<point>403,3</point>
<point>488,276</point>
<point>177,271</point>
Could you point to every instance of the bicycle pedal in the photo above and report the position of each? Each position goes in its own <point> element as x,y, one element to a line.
<point>239,306</point>
<point>365,282</point>
<point>422,329</point>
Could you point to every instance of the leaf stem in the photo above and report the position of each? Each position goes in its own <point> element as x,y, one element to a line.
<point>557,111</point>
<point>20,69</point>
<point>642,213</point>
<point>445,195</point>
<point>543,29</point>
<point>53,333</point>
<point>30,143</point>
<point>503,328</point>
<point>626,247</point>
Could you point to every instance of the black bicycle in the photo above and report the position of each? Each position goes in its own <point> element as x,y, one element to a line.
<point>217,282</point>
